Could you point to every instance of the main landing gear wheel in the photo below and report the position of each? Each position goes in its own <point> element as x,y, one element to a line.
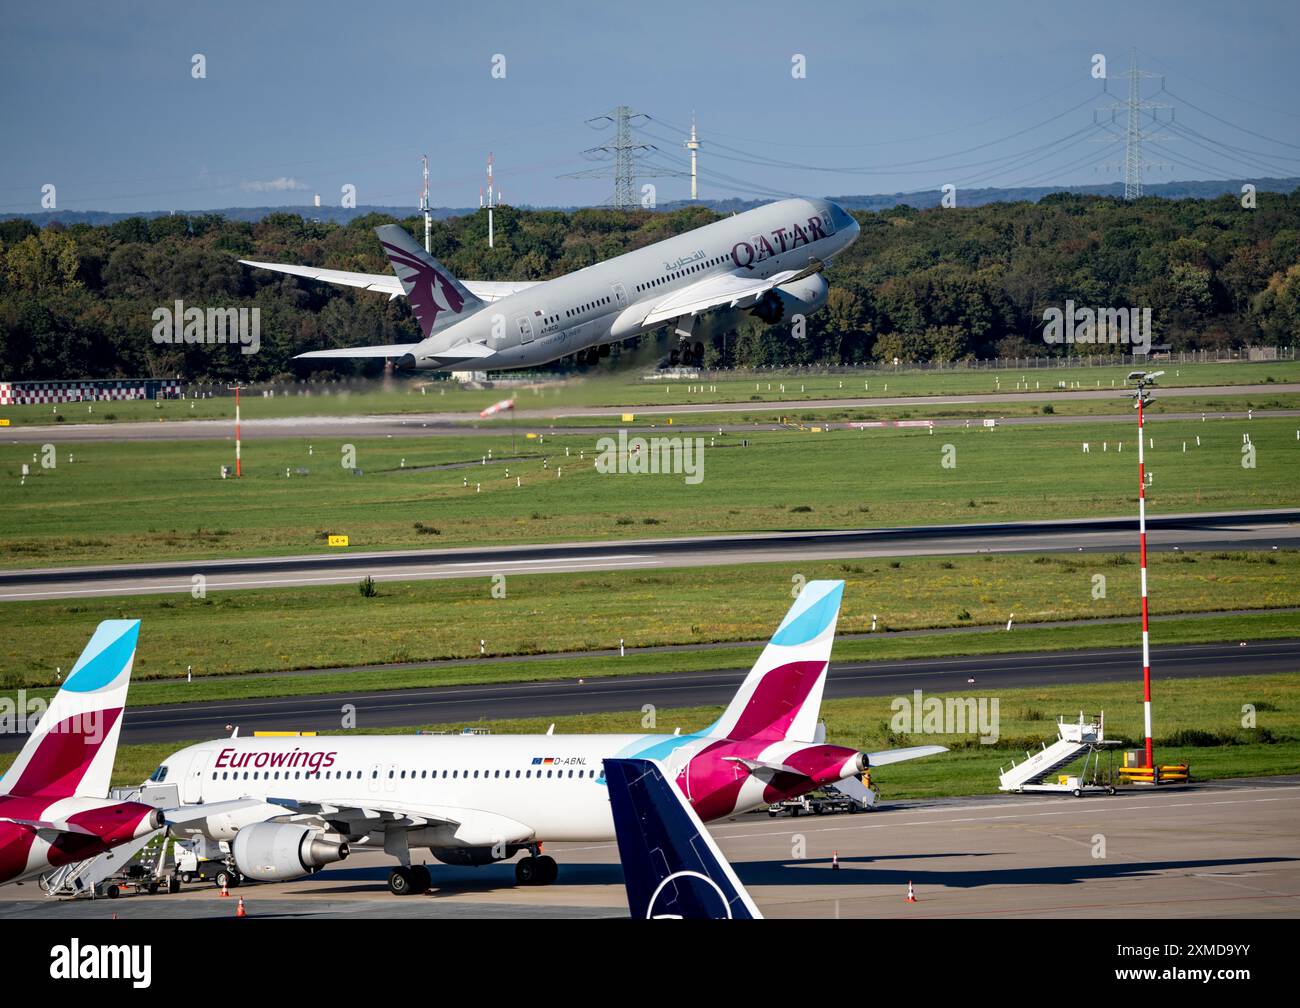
<point>406,881</point>
<point>226,878</point>
<point>536,870</point>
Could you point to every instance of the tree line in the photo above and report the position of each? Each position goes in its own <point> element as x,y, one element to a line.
<point>920,285</point>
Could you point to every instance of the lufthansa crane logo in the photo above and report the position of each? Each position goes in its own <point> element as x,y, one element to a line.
<point>722,897</point>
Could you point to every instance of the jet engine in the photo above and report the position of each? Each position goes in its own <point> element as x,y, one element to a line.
<point>276,852</point>
<point>799,297</point>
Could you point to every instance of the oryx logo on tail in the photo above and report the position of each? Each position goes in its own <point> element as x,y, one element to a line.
<point>436,297</point>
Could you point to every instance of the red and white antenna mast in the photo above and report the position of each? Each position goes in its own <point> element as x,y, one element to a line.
<point>491,204</point>
<point>424,202</point>
<point>1144,379</point>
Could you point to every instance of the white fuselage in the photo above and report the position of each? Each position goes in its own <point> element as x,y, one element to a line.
<point>609,301</point>
<point>507,775</point>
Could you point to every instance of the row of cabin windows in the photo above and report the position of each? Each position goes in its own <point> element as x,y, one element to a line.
<point>658,281</point>
<point>590,306</point>
<point>403,774</point>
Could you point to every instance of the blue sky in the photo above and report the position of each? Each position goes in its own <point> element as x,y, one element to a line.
<point>303,99</point>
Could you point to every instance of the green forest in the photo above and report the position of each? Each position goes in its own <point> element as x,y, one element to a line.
<point>922,285</point>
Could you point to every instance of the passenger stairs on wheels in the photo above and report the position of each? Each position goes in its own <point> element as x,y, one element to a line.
<point>1074,739</point>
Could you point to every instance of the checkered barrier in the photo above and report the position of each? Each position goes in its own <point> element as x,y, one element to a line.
<point>109,390</point>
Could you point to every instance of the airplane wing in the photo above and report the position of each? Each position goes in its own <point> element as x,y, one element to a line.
<point>387,283</point>
<point>384,282</point>
<point>471,827</point>
<point>495,290</point>
<point>181,815</point>
<point>887,756</point>
<point>730,290</point>
<point>391,350</point>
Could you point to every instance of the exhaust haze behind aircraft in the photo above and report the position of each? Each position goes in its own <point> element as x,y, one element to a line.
<point>767,262</point>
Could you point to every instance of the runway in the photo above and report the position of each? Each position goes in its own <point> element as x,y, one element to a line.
<point>1221,849</point>
<point>1220,531</point>
<point>463,424</point>
<point>464,705</point>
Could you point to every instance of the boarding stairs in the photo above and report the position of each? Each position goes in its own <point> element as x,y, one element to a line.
<point>1086,738</point>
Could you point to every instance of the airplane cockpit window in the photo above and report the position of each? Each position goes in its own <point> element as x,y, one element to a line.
<point>159,775</point>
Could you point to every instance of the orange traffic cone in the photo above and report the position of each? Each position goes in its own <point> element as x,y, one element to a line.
<point>835,859</point>
<point>224,891</point>
<point>911,893</point>
<point>239,910</point>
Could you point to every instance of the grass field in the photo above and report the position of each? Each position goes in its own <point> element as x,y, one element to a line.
<point>334,626</point>
<point>1254,627</point>
<point>1198,721</point>
<point>1213,406</point>
<point>105,502</point>
<point>627,389</point>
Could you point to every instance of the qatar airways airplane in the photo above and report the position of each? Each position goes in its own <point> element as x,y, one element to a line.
<point>767,261</point>
<point>475,799</point>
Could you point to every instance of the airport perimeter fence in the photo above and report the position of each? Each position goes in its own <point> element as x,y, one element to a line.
<point>1032,363</point>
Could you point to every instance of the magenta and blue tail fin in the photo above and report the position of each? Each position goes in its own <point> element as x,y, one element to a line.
<point>71,750</point>
<point>780,700</point>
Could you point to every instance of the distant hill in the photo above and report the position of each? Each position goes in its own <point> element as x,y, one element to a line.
<point>883,201</point>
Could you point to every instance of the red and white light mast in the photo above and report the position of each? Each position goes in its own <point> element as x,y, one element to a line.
<point>238,465</point>
<point>1143,396</point>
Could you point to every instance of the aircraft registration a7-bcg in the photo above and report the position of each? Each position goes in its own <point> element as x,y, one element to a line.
<point>476,799</point>
<point>767,261</point>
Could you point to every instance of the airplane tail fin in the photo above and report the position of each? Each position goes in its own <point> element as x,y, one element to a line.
<point>71,750</point>
<point>671,866</point>
<point>780,700</point>
<point>437,298</point>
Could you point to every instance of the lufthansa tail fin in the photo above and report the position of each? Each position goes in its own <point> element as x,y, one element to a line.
<point>437,298</point>
<point>780,700</point>
<point>671,866</point>
<point>70,752</point>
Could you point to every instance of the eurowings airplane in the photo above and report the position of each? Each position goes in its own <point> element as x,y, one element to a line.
<point>767,261</point>
<point>475,799</point>
<point>671,866</point>
<point>54,806</point>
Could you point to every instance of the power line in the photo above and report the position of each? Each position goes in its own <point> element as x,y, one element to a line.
<point>889,169</point>
<point>1228,122</point>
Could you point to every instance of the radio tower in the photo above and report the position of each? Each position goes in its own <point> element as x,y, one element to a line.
<point>490,204</point>
<point>1133,133</point>
<point>424,202</point>
<point>624,151</point>
<point>693,145</point>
